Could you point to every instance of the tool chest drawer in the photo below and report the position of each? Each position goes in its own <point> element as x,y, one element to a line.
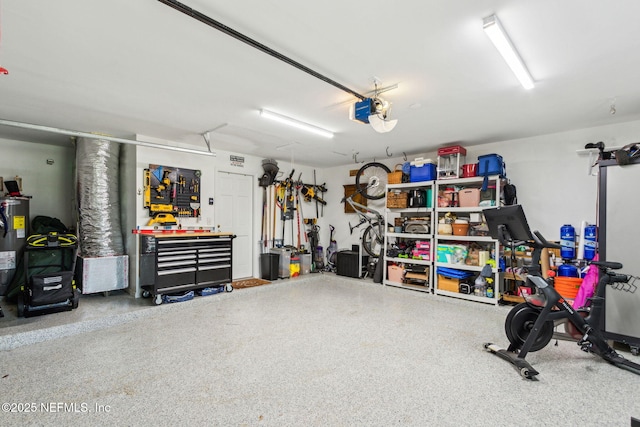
<point>176,277</point>
<point>217,257</point>
<point>171,263</point>
<point>213,274</point>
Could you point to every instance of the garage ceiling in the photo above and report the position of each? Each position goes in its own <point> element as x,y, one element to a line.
<point>125,67</point>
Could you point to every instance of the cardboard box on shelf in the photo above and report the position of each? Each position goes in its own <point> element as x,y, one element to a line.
<point>448,283</point>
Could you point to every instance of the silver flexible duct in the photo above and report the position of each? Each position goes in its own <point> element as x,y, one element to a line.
<point>97,171</point>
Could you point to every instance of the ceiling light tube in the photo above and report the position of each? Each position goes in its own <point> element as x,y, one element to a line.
<point>500,39</point>
<point>296,123</point>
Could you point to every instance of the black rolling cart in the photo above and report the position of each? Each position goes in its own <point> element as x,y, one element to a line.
<point>49,284</point>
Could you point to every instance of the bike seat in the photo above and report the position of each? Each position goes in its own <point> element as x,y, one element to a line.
<point>608,264</point>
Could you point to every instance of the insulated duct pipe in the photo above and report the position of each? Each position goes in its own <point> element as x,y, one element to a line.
<point>98,195</point>
<point>255,44</point>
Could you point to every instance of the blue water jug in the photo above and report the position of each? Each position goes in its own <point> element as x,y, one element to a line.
<point>568,270</point>
<point>568,241</point>
<point>590,241</point>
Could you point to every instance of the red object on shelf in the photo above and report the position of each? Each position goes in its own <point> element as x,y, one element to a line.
<point>454,149</point>
<point>469,170</point>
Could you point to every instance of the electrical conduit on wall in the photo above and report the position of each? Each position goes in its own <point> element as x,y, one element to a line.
<point>97,172</point>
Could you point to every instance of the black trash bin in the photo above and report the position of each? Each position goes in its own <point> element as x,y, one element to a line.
<point>269,266</point>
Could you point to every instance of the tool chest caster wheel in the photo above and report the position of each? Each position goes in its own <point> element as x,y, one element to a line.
<point>20,305</point>
<point>75,299</point>
<point>158,300</point>
<point>228,287</point>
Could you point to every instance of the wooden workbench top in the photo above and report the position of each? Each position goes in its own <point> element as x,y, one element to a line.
<point>183,233</point>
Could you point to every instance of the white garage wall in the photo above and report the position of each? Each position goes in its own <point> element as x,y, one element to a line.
<point>552,178</point>
<point>208,165</point>
<point>51,186</point>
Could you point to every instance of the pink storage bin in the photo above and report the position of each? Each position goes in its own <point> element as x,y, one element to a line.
<point>469,197</point>
<point>423,245</point>
<point>395,273</point>
<point>421,254</point>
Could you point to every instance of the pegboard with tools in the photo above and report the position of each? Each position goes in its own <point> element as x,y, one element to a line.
<point>171,191</point>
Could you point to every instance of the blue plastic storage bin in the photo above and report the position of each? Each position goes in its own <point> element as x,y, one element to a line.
<point>422,171</point>
<point>491,164</point>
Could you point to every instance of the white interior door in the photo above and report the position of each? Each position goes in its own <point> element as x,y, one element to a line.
<point>234,213</point>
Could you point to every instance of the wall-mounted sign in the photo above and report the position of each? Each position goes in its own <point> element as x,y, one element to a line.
<point>236,161</point>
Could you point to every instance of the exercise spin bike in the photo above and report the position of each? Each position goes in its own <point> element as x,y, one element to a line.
<point>530,326</point>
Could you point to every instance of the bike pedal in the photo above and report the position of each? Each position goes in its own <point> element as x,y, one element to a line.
<point>586,347</point>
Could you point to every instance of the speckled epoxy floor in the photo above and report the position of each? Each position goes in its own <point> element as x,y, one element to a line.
<point>320,351</point>
<point>95,311</point>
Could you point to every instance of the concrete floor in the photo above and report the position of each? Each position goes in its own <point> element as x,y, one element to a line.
<point>95,311</point>
<point>321,350</point>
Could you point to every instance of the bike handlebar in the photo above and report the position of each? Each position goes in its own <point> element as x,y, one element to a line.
<point>618,278</point>
<point>606,265</point>
<point>540,240</point>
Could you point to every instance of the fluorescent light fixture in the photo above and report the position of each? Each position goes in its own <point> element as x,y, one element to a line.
<point>500,39</point>
<point>296,123</point>
<point>98,136</point>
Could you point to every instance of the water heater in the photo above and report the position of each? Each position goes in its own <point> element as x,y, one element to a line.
<point>14,229</point>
